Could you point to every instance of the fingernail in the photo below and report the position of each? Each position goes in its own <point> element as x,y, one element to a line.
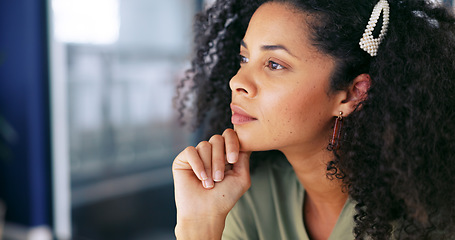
<point>232,157</point>
<point>208,183</point>
<point>218,176</point>
<point>204,175</point>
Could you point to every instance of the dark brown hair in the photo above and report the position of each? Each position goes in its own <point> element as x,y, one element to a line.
<point>397,156</point>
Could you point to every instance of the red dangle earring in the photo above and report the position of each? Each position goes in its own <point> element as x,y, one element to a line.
<point>335,142</point>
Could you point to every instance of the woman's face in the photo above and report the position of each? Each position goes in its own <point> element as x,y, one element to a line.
<point>280,95</point>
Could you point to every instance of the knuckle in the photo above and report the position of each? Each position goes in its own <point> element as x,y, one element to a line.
<point>203,145</point>
<point>180,161</point>
<point>177,164</point>
<point>178,158</point>
<point>216,139</point>
<point>231,136</point>
<point>228,131</point>
<point>218,163</point>
<point>189,149</point>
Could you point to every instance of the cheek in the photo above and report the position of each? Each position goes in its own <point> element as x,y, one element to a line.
<point>297,116</point>
<point>284,120</point>
<point>281,122</point>
<point>300,113</point>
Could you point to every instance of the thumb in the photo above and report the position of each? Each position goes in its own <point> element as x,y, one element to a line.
<point>242,166</point>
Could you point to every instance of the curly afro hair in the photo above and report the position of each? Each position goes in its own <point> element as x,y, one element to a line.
<point>397,154</point>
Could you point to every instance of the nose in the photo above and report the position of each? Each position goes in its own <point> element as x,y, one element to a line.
<point>243,84</point>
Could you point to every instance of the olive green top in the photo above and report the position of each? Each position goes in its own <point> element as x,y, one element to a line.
<point>272,208</point>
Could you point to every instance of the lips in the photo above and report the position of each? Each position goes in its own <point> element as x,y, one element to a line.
<point>239,116</point>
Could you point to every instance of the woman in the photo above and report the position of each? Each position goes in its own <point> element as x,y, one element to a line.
<point>356,96</point>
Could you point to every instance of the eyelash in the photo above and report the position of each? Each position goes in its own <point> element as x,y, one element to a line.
<point>270,64</point>
<point>243,59</point>
<point>278,66</point>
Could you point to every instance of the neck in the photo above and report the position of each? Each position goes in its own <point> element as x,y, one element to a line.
<point>323,194</point>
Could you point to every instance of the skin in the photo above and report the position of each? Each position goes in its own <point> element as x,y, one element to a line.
<point>283,88</point>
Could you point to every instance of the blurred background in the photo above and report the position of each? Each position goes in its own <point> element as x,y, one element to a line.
<point>87,125</point>
<point>88,130</point>
<point>115,65</point>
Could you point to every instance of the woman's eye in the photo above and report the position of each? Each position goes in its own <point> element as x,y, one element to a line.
<point>243,59</point>
<point>274,66</point>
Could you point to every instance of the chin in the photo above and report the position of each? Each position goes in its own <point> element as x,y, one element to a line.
<point>251,143</point>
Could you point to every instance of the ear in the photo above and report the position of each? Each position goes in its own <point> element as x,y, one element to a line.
<point>355,94</point>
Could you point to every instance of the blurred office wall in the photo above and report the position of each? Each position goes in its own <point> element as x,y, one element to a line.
<point>115,65</point>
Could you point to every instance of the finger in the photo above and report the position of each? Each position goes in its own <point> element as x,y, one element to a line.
<point>189,159</point>
<point>242,168</point>
<point>232,145</point>
<point>218,157</point>
<point>204,150</point>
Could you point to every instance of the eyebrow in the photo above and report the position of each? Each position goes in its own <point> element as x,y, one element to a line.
<point>271,48</point>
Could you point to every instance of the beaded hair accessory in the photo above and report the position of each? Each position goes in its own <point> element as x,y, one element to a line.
<point>368,42</point>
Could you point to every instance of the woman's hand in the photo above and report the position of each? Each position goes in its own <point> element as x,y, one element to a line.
<point>209,179</point>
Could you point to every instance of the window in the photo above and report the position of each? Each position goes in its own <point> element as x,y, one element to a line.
<point>115,66</point>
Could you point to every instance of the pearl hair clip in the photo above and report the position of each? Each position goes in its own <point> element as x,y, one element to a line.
<point>368,42</point>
